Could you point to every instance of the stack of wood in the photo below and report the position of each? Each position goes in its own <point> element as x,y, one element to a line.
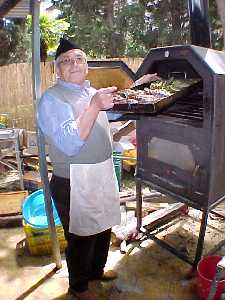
<point>11,202</point>
<point>153,214</point>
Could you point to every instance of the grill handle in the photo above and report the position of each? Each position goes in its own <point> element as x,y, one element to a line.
<point>177,75</point>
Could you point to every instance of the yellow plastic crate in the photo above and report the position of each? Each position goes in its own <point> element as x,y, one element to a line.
<point>45,248</point>
<point>38,240</point>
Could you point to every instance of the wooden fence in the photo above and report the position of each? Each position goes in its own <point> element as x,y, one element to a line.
<point>16,90</point>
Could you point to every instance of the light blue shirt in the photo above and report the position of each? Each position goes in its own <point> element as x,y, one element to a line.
<point>57,119</point>
<point>113,116</point>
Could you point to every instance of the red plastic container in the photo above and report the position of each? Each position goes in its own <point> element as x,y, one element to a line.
<point>206,271</point>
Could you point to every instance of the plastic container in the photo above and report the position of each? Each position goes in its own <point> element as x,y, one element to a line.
<point>117,161</point>
<point>4,121</point>
<point>206,271</point>
<point>39,242</point>
<point>33,210</point>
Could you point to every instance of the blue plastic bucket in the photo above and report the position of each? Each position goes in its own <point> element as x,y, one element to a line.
<point>33,210</point>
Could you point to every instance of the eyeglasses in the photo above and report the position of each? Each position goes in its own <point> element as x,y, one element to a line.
<point>70,61</point>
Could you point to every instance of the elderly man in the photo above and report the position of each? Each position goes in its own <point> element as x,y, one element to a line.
<point>83,185</point>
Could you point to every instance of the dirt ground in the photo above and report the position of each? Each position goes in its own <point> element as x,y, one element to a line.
<point>147,272</point>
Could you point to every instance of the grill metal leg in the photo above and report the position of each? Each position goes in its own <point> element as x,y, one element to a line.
<point>201,236</point>
<point>139,203</point>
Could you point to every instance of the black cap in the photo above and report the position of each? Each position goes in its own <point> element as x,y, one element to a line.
<point>64,46</point>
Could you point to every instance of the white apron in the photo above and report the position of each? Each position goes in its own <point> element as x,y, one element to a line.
<point>94,198</point>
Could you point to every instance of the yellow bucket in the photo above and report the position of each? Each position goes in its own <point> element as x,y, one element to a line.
<point>4,121</point>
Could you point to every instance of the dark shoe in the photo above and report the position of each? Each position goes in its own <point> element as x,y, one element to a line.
<point>106,276</point>
<point>86,295</point>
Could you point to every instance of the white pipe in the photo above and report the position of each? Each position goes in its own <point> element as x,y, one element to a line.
<point>36,74</point>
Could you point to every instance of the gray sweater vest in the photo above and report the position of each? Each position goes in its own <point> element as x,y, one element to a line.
<point>97,147</point>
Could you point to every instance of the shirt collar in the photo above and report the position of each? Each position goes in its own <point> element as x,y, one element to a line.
<point>74,86</point>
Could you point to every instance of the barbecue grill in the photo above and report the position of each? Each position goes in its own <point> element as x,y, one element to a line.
<point>181,151</point>
<point>181,148</point>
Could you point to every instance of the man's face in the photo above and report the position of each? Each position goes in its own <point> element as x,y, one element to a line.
<point>72,66</point>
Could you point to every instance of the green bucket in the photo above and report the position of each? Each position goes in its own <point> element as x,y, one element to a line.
<point>117,161</point>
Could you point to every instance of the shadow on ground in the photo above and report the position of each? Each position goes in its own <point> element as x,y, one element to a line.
<point>145,273</point>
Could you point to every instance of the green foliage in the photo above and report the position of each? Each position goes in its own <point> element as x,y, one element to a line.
<point>170,20</point>
<point>216,26</point>
<point>50,30</point>
<point>112,28</point>
<point>108,28</point>
<point>103,28</point>
<point>15,38</point>
<point>15,44</point>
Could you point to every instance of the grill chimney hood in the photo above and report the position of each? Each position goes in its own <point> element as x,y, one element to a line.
<point>199,23</point>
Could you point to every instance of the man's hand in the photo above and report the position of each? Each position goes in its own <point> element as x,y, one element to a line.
<point>124,130</point>
<point>117,137</point>
<point>103,99</point>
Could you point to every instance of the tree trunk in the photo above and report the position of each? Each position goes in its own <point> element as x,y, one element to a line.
<point>43,50</point>
<point>109,17</point>
<point>221,13</point>
<point>109,12</point>
<point>176,12</point>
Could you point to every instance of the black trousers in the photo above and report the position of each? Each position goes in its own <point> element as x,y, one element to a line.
<point>85,255</point>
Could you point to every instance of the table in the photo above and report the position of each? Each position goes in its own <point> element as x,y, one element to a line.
<point>12,134</point>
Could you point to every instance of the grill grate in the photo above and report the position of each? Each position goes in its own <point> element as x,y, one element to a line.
<point>187,108</point>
